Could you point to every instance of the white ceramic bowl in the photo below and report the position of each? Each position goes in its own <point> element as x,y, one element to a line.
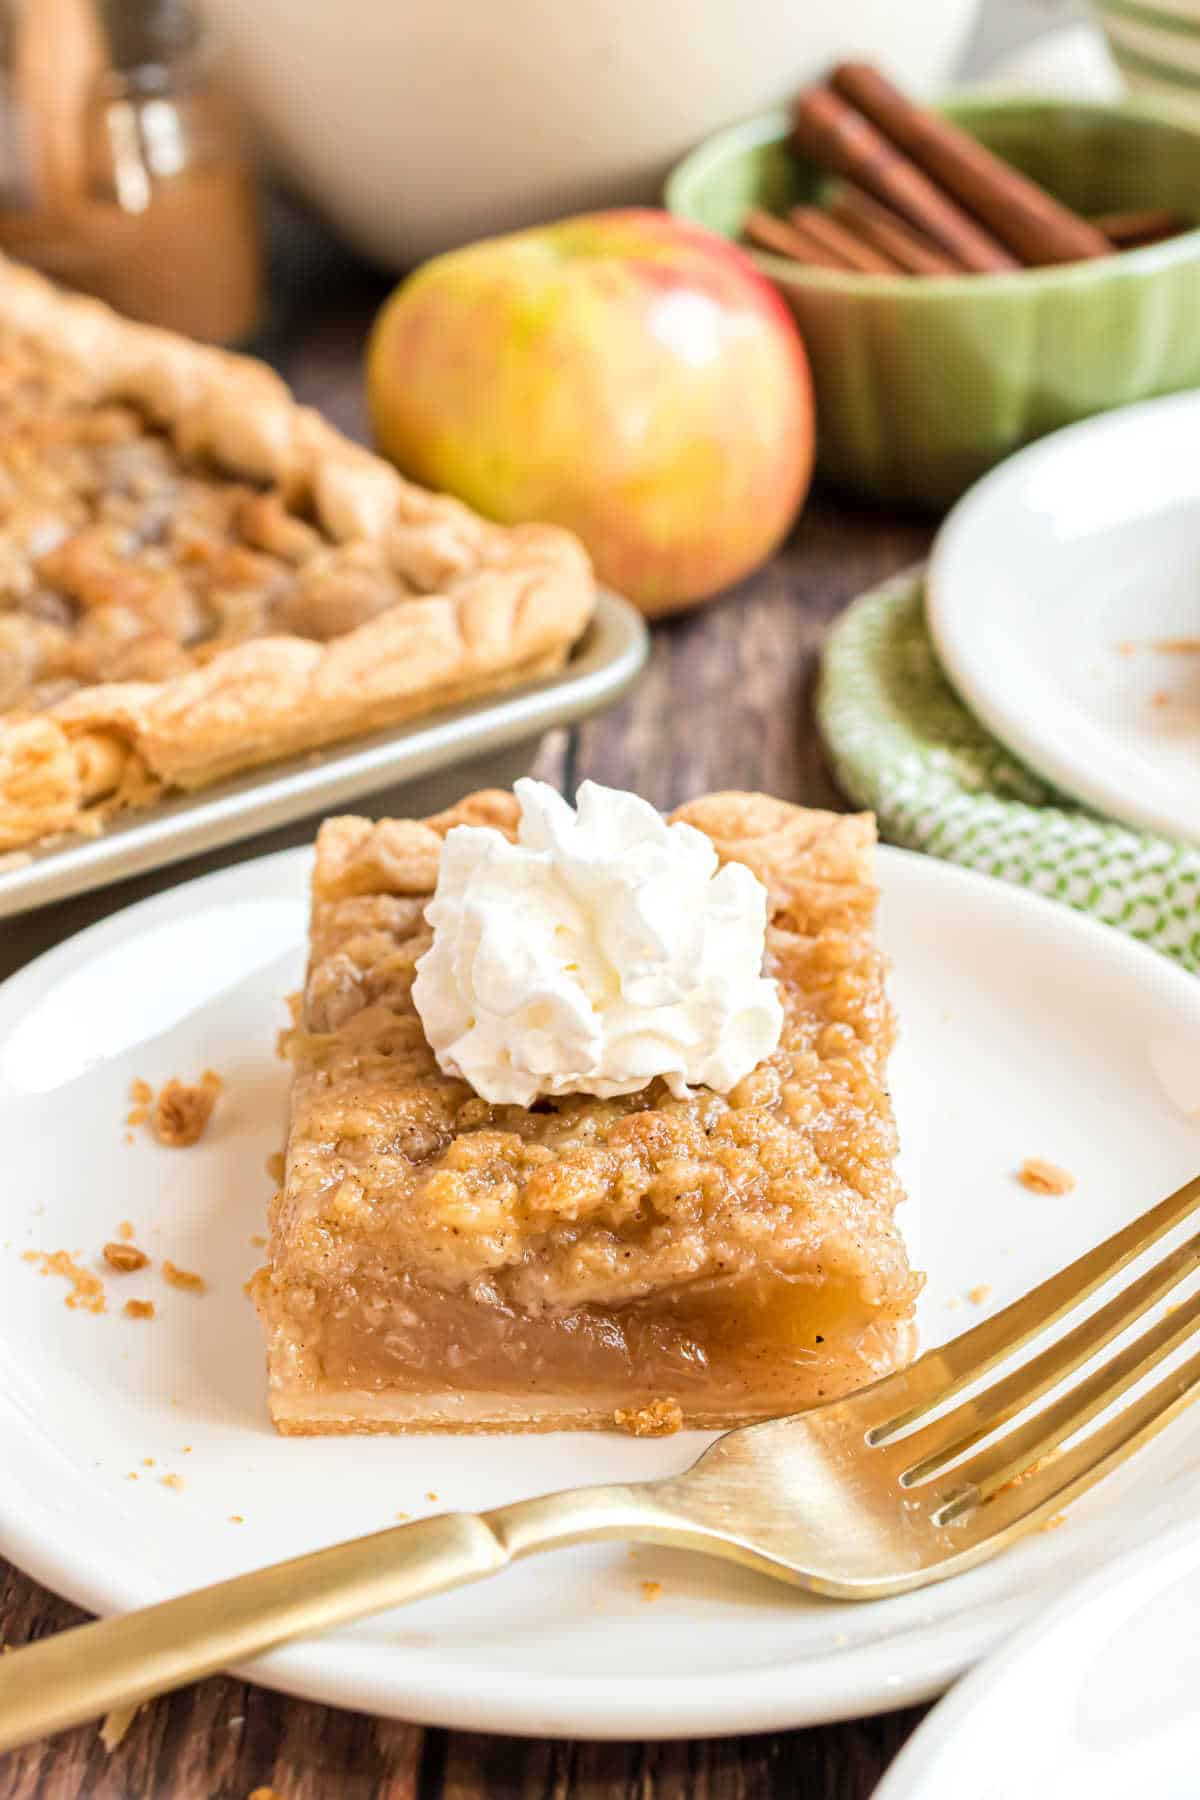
<point>421,124</point>
<point>1156,46</point>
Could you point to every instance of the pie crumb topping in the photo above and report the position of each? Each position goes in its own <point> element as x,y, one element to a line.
<point>183,1109</point>
<point>124,1258</point>
<point>1043,1177</point>
<point>660,1418</point>
<point>87,1289</point>
<point>115,1724</point>
<point>183,1278</point>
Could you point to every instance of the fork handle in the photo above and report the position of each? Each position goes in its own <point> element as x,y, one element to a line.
<point>90,1669</point>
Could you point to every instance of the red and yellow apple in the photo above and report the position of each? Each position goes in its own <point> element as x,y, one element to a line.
<point>624,374</point>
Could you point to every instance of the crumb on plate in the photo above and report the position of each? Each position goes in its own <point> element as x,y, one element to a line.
<point>141,1092</point>
<point>275,1165</point>
<point>183,1278</point>
<point>125,1230</point>
<point>1177,646</point>
<point>1053,1524</point>
<point>174,1482</point>
<point>660,1418</point>
<point>138,1309</point>
<point>258,1242</point>
<point>183,1109</point>
<point>236,1519</point>
<point>979,1293</point>
<point>1043,1177</point>
<point>652,1590</point>
<point>124,1258</point>
<point>87,1290</point>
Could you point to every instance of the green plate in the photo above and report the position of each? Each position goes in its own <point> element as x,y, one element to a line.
<point>923,383</point>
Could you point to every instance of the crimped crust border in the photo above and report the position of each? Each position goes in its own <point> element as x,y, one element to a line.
<point>501,603</point>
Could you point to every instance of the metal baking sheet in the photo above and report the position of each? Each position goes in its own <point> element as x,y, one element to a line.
<point>605,663</point>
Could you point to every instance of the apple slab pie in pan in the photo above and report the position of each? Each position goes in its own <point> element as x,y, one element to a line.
<point>197,575</point>
<point>680,1255</point>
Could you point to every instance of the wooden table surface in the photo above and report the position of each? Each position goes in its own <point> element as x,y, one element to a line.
<point>725,703</point>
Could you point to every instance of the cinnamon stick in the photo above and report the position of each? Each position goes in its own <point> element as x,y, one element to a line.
<point>834,134</point>
<point>1147,226</point>
<point>879,225</point>
<point>784,239</point>
<point>1027,220</point>
<point>842,240</point>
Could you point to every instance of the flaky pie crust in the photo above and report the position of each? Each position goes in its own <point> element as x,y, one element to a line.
<point>485,605</point>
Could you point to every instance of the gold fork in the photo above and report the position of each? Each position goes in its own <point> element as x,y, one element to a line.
<point>874,1495</point>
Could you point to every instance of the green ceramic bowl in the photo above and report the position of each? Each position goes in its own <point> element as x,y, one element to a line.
<point>924,383</point>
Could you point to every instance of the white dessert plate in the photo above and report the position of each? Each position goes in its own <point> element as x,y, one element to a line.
<point>1062,593</point>
<point>1026,1031</point>
<point>1102,1691</point>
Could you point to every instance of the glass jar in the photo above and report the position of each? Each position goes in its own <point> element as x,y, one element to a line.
<point>123,165</point>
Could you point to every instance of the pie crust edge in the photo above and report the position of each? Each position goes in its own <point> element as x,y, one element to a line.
<point>504,603</point>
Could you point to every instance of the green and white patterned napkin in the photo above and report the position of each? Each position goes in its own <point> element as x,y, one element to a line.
<point>903,745</point>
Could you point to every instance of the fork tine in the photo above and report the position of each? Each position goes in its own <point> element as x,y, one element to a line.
<point>1012,1454</point>
<point>932,1447</point>
<point>1070,1474</point>
<point>941,1373</point>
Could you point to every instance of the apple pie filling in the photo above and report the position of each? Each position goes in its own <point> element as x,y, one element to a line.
<point>440,1261</point>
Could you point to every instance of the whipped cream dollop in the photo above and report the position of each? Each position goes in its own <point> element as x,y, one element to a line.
<point>603,948</point>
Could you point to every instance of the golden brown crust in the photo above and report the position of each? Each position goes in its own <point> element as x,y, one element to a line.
<point>480,606</point>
